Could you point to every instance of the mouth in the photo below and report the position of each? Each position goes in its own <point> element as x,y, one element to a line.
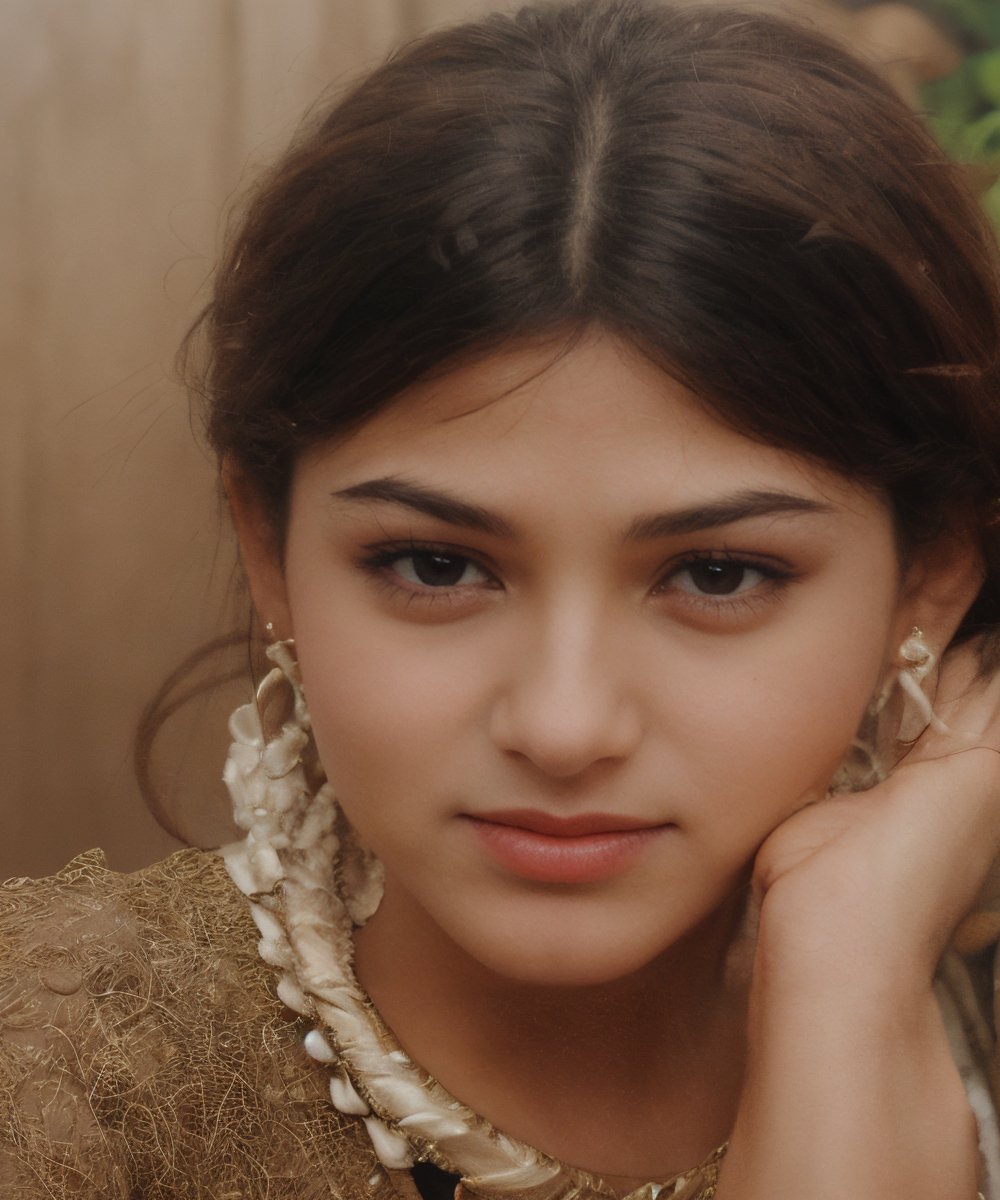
<point>587,848</point>
<point>536,821</point>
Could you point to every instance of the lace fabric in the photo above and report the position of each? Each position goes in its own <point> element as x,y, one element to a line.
<point>143,1052</point>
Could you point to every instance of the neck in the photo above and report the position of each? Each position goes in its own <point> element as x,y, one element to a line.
<point>635,1079</point>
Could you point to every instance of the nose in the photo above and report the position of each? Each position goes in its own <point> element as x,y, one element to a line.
<point>568,702</point>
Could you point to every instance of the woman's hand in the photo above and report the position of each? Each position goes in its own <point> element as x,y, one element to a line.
<point>850,1088</point>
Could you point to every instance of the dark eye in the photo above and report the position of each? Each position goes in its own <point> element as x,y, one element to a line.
<point>717,577</point>
<point>428,568</point>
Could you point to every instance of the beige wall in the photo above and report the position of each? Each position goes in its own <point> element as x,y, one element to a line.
<point>127,126</point>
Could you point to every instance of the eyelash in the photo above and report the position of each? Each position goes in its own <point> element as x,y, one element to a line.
<point>380,562</point>
<point>774,579</point>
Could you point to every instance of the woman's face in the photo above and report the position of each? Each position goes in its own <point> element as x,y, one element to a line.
<point>572,649</point>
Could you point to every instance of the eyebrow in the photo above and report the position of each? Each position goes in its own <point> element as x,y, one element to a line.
<point>726,510</point>
<point>429,501</point>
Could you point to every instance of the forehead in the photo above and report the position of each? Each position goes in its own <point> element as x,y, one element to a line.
<point>593,420</point>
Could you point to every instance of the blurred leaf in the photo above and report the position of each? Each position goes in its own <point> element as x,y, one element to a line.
<point>985,71</point>
<point>981,139</point>
<point>963,110</point>
<point>979,17</point>
<point>957,97</point>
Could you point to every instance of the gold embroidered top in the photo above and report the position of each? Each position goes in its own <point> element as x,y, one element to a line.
<point>145,1054</point>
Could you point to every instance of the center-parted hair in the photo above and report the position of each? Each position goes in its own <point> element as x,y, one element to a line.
<point>732,194</point>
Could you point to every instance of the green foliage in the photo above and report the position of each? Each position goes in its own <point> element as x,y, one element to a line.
<point>979,19</point>
<point>964,108</point>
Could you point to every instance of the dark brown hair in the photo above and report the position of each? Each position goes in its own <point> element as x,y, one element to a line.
<point>734,195</point>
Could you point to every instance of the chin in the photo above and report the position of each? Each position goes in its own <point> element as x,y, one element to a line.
<point>545,970</point>
<point>566,954</point>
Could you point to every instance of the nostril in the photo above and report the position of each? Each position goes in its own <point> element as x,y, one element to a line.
<point>568,739</point>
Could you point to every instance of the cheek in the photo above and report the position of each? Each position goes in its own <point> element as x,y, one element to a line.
<point>772,738</point>
<point>388,719</point>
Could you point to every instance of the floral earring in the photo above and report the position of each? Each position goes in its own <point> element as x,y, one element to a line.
<point>917,662</point>
<point>281,796</point>
<point>898,714</point>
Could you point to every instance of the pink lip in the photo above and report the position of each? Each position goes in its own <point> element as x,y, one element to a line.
<point>583,849</point>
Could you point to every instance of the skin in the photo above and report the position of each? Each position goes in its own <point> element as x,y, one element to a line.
<point>569,669</point>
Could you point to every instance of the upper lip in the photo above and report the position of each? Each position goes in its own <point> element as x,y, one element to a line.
<point>536,821</point>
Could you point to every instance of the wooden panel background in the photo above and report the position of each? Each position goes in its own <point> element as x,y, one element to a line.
<point>128,126</point>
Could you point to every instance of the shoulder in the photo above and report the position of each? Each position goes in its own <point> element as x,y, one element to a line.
<point>62,914</point>
<point>141,1041</point>
<point>89,941</point>
<point>95,967</point>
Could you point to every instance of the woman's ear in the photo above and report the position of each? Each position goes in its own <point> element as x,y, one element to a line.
<point>260,550</point>
<point>939,587</point>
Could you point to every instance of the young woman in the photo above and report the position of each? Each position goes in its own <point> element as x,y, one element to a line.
<point>606,399</point>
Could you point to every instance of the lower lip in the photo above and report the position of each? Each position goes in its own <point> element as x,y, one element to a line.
<point>587,858</point>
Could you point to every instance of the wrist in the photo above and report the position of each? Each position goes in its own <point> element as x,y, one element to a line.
<point>850,1089</point>
<point>843,946</point>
